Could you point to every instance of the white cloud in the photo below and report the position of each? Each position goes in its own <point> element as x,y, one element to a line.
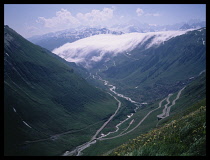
<point>139,11</point>
<point>93,49</point>
<point>62,19</point>
<point>96,16</point>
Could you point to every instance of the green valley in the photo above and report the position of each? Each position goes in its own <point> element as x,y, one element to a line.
<point>192,102</point>
<point>148,102</point>
<point>43,97</point>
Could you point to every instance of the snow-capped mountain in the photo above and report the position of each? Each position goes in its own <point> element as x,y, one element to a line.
<point>137,26</point>
<point>196,25</point>
<point>91,50</point>
<point>56,39</point>
<point>84,32</point>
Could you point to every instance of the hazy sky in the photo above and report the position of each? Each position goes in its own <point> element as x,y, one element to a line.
<point>36,19</point>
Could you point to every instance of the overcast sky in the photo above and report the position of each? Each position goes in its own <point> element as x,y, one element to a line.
<point>37,19</point>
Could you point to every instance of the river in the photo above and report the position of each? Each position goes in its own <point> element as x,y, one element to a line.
<point>78,150</point>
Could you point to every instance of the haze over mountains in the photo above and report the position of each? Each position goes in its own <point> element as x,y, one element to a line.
<point>137,26</point>
<point>54,40</point>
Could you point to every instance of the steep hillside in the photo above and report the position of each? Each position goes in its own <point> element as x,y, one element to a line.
<point>183,136</point>
<point>95,51</point>
<point>144,66</point>
<point>154,73</point>
<point>192,98</point>
<point>43,98</point>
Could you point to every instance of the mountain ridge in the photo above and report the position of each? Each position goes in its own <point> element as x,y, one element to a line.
<point>53,40</point>
<point>56,39</point>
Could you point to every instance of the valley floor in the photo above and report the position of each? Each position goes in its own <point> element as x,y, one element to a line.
<point>103,137</point>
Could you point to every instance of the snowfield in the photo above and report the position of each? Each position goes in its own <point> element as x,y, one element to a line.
<point>94,48</point>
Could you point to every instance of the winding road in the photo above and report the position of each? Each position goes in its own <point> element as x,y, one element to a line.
<point>78,150</point>
<point>102,127</point>
<point>174,101</point>
<point>166,110</point>
<point>160,105</point>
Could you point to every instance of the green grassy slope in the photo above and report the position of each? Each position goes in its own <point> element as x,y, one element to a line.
<point>47,95</point>
<point>192,94</point>
<point>183,136</point>
<point>183,133</point>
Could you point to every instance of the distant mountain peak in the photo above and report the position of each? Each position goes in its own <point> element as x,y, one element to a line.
<point>196,25</point>
<point>185,26</point>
